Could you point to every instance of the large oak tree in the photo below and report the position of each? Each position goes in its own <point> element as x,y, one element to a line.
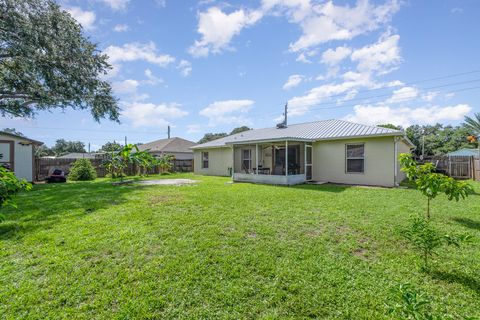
<point>46,62</point>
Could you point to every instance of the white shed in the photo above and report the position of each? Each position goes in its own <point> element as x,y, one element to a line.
<point>17,153</point>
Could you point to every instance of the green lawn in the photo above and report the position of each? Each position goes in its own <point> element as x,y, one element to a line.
<point>227,251</point>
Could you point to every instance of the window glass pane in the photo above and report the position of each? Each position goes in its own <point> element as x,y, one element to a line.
<point>355,165</point>
<point>355,150</point>
<point>246,164</point>
<point>246,154</point>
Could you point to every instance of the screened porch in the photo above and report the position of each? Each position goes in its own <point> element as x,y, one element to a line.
<point>280,162</point>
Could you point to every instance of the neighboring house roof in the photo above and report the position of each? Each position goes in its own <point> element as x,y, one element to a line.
<point>38,143</point>
<point>80,155</point>
<point>174,145</point>
<point>310,131</point>
<point>465,152</point>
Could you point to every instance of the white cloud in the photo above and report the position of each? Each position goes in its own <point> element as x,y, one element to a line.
<point>403,94</point>
<point>85,18</point>
<point>121,28</point>
<point>218,28</point>
<point>327,22</point>
<point>151,78</point>
<point>333,57</point>
<point>429,96</point>
<point>138,51</point>
<point>116,4</point>
<point>161,3</point>
<point>128,86</point>
<point>405,117</point>
<point>185,67</point>
<point>380,57</point>
<point>150,115</point>
<point>299,105</point>
<point>293,81</point>
<point>228,112</point>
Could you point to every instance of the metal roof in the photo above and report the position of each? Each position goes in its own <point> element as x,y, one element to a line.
<point>310,131</point>
<point>465,152</point>
<point>38,143</point>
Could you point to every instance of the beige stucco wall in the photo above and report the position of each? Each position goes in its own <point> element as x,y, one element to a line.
<point>23,157</point>
<point>220,159</point>
<point>329,162</point>
<point>402,147</point>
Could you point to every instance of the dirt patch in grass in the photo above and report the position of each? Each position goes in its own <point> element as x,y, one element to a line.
<point>164,198</point>
<point>361,253</point>
<point>167,182</point>
<point>314,233</point>
<point>251,235</point>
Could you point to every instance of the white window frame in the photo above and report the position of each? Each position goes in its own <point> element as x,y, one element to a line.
<point>249,159</point>
<point>205,157</point>
<point>354,158</point>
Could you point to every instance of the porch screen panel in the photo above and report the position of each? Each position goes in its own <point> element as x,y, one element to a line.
<point>247,159</point>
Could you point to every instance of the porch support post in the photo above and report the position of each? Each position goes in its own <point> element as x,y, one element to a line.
<point>305,159</point>
<point>256,156</point>
<point>286,157</point>
<point>233,161</point>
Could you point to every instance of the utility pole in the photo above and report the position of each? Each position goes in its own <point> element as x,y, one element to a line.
<point>125,140</point>
<point>286,111</point>
<point>168,132</point>
<point>89,147</point>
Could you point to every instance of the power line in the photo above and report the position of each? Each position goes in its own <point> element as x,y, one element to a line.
<point>382,95</point>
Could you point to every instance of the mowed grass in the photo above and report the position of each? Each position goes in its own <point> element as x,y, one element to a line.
<point>227,251</point>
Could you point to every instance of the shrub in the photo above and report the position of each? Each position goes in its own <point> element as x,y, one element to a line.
<point>410,304</point>
<point>10,185</point>
<point>426,240</point>
<point>82,170</point>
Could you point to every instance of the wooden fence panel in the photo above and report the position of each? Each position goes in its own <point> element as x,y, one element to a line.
<point>45,166</point>
<point>476,165</point>
<point>458,167</point>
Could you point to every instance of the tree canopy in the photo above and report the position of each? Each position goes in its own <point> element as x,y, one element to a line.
<point>46,62</point>
<point>111,146</point>
<point>439,139</point>
<point>63,147</point>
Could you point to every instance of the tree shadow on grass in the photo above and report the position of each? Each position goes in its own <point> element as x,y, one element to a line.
<point>46,205</point>
<point>327,187</point>
<point>469,223</point>
<point>457,277</point>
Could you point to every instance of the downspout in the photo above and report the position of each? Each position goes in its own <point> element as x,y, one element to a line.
<point>395,152</point>
<point>233,162</point>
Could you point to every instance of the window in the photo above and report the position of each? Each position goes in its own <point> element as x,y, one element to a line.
<point>355,158</point>
<point>204,160</point>
<point>247,159</point>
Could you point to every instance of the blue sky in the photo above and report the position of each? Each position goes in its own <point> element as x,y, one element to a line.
<point>210,66</point>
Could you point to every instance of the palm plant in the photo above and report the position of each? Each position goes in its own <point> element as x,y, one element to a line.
<point>165,162</point>
<point>144,160</point>
<point>473,124</point>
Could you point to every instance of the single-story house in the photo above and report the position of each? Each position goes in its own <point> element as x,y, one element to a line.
<point>177,147</point>
<point>465,152</point>
<point>83,155</point>
<point>335,151</point>
<point>17,153</point>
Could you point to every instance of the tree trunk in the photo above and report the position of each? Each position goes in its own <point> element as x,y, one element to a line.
<point>428,208</point>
